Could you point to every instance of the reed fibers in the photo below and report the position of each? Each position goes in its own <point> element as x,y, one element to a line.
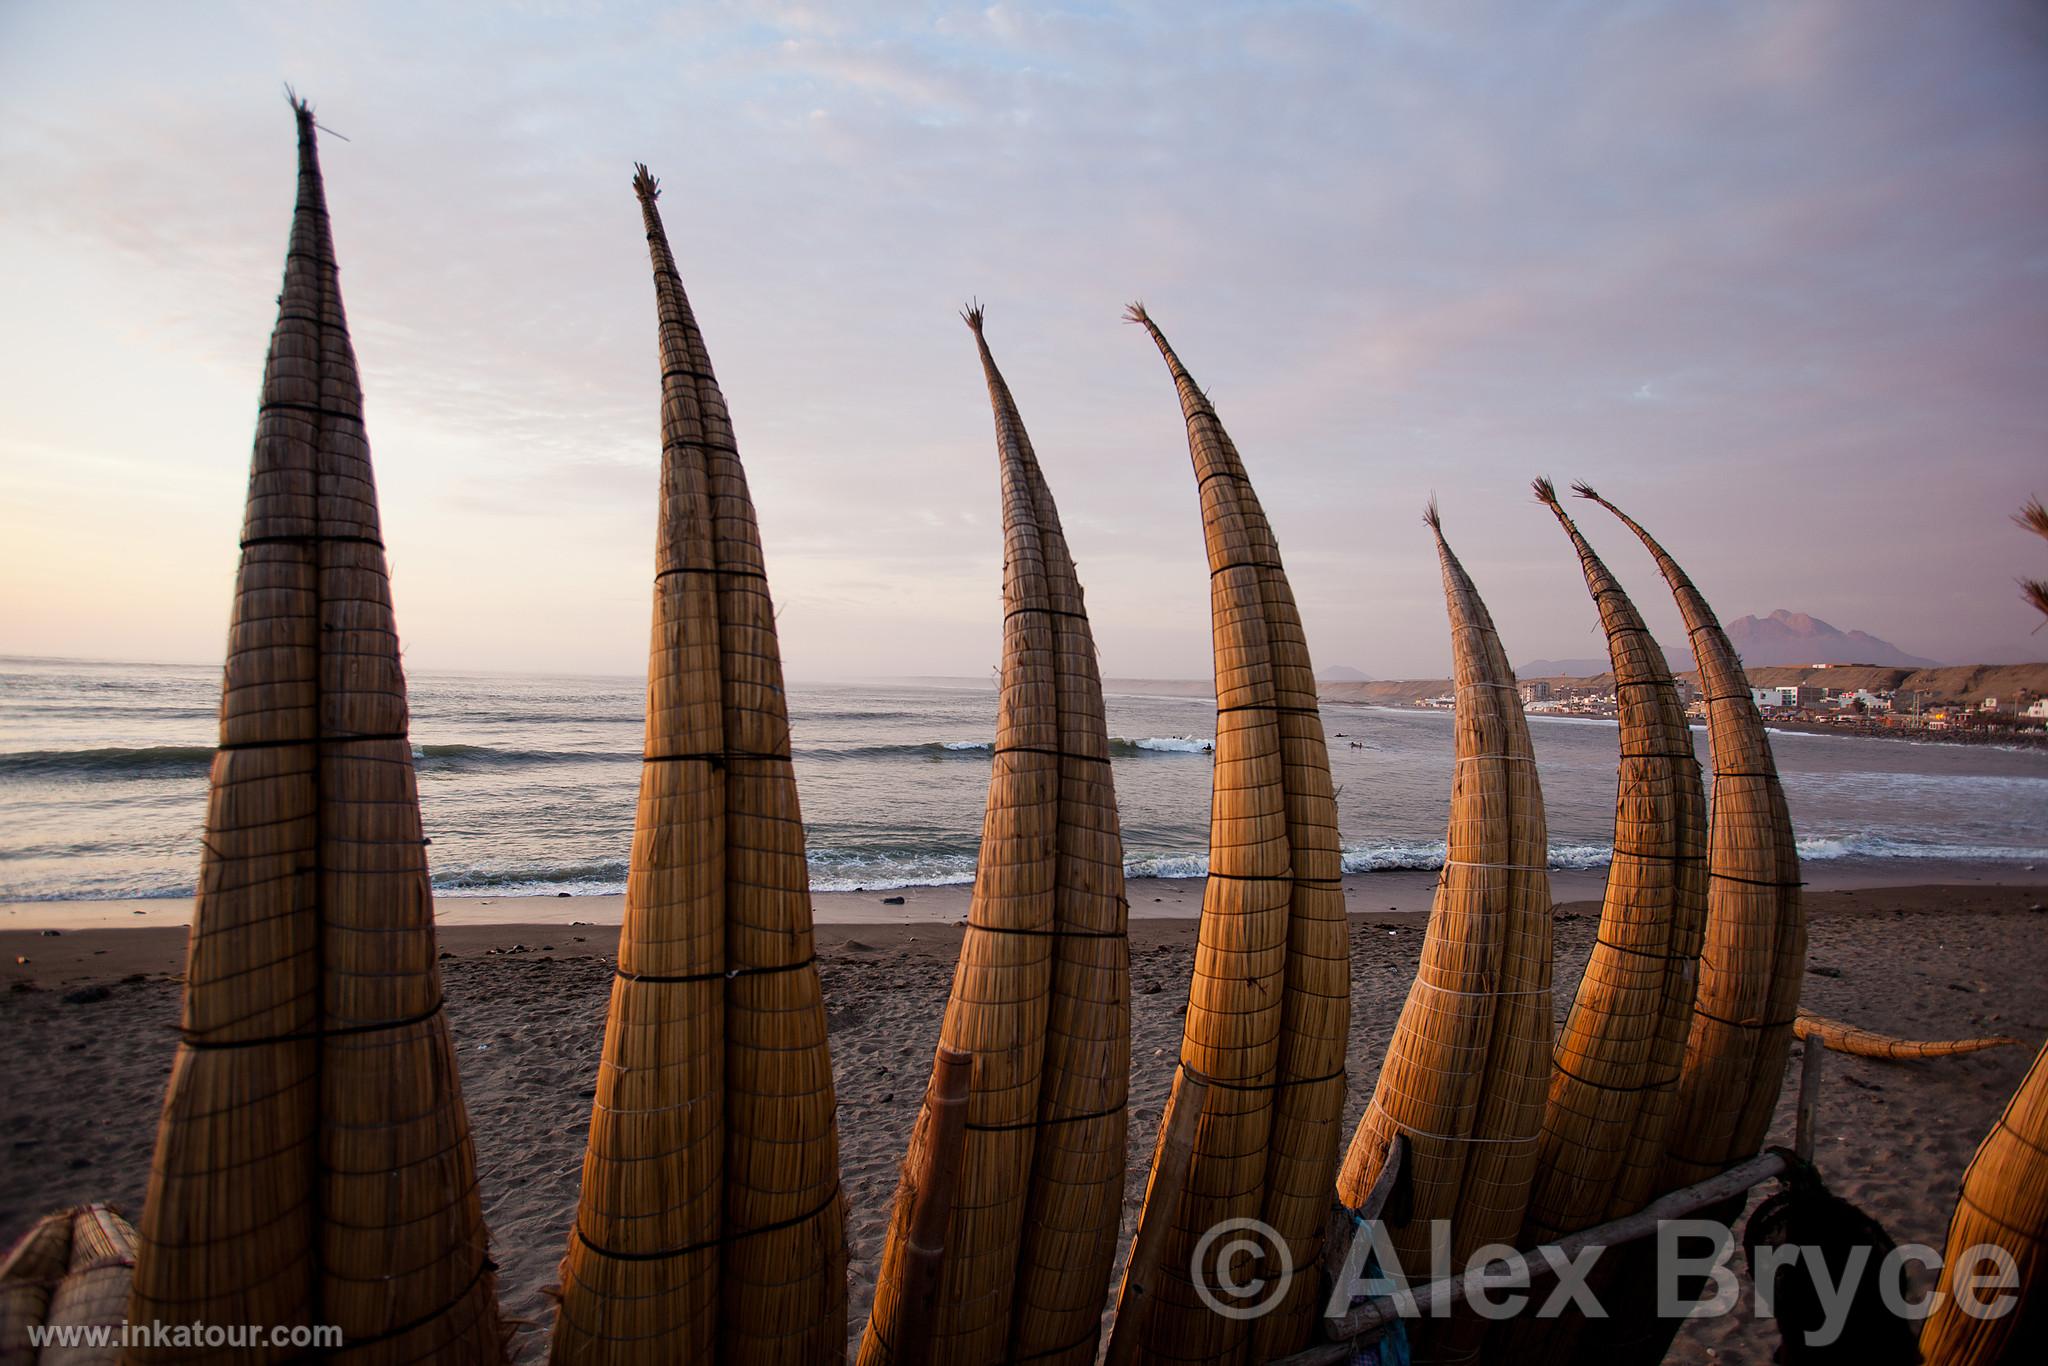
<point>1754,956</point>
<point>710,1220</point>
<point>1269,1006</point>
<point>1467,1069</point>
<point>1041,996</point>
<point>2003,1203</point>
<point>313,1164</point>
<point>1859,1042</point>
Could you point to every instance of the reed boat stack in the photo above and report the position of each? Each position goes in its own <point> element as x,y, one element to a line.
<point>1754,955</point>
<point>1614,1076</point>
<point>711,1223</point>
<point>1269,1006</point>
<point>1041,996</point>
<point>313,1161</point>
<point>1466,1072</point>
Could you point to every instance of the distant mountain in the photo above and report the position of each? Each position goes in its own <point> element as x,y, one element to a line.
<point>1795,638</point>
<point>1678,659</point>
<point>1341,673</point>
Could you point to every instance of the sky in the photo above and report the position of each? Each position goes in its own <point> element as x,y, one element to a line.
<point>1772,276</point>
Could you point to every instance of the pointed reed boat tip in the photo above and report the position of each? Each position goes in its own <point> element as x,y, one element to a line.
<point>1546,492</point>
<point>1135,313</point>
<point>645,185</point>
<point>1585,490</point>
<point>1431,517</point>
<point>303,109</point>
<point>972,315</point>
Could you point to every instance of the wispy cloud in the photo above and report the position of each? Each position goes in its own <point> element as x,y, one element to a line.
<point>1779,272</point>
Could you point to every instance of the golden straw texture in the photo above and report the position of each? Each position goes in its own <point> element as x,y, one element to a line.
<point>1868,1043</point>
<point>95,1287</point>
<point>1754,956</point>
<point>1041,997</point>
<point>1270,1004</point>
<point>1614,1076</point>
<point>711,1219</point>
<point>1618,1060</point>
<point>2003,1202</point>
<point>313,1164</point>
<point>72,1270</point>
<point>1468,1066</point>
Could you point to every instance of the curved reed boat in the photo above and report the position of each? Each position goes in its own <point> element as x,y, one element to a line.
<point>1754,957</point>
<point>2003,1201</point>
<point>1868,1043</point>
<point>1615,1072</point>
<point>1468,1067</point>
<point>1270,1004</point>
<point>710,1222</point>
<point>1041,997</point>
<point>313,1164</point>
<point>1619,1057</point>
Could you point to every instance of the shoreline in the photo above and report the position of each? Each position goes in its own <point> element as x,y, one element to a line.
<point>1398,891</point>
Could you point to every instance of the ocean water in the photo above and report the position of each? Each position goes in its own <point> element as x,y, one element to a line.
<point>527,783</point>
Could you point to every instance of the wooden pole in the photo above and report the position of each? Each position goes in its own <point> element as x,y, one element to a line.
<point>1809,1098</point>
<point>1344,1221</point>
<point>1155,1221</point>
<point>1369,1318</point>
<point>934,1170</point>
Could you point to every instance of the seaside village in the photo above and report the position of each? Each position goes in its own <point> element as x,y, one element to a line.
<point>2019,716</point>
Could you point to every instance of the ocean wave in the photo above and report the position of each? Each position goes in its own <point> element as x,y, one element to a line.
<point>109,763</point>
<point>1163,744</point>
<point>599,877</point>
<point>462,757</point>
<point>1827,848</point>
<point>835,870</point>
<point>1119,748</point>
<point>112,764</point>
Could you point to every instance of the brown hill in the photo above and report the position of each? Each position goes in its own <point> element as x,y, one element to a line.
<point>1949,683</point>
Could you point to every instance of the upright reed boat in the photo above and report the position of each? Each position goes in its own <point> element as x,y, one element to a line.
<point>313,1164</point>
<point>1614,1077</point>
<point>1467,1070</point>
<point>710,1224</point>
<point>1041,997</point>
<point>1270,1004</point>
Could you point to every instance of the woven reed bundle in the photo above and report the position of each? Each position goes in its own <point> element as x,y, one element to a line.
<point>1043,988</point>
<point>710,1220</point>
<point>1618,1060</point>
<point>73,1269</point>
<point>28,1275</point>
<point>1466,1071</point>
<point>1868,1043</point>
<point>313,1164</point>
<point>96,1283</point>
<point>1754,956</point>
<point>1269,1008</point>
<point>2003,1201</point>
<point>1078,1168</point>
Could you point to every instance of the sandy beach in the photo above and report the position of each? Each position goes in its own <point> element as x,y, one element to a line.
<point>90,1021</point>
